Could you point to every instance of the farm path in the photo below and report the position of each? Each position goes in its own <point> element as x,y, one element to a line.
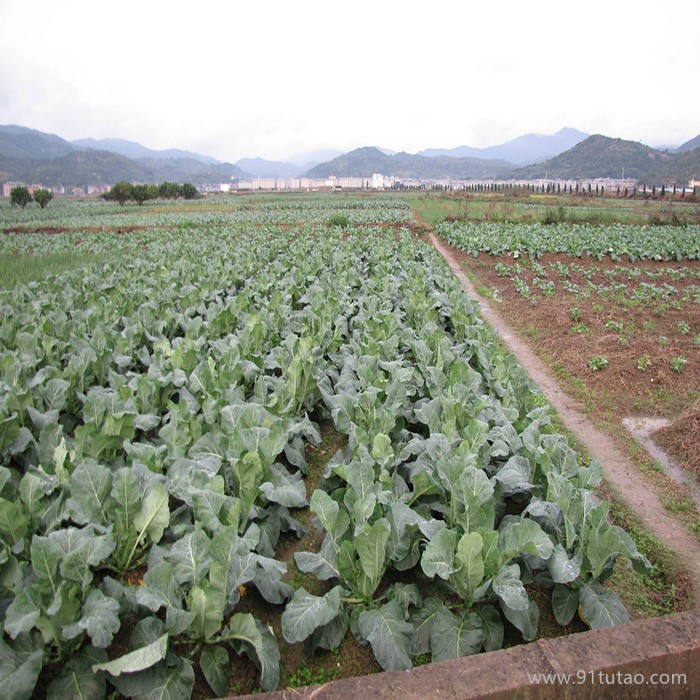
<point>620,473</point>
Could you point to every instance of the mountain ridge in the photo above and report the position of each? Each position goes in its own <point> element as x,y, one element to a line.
<point>522,150</point>
<point>362,162</point>
<point>601,156</point>
<point>38,157</point>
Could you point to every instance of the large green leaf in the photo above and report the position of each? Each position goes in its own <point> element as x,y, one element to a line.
<point>491,626</point>
<point>509,588</point>
<point>452,637</point>
<point>134,661</point>
<point>423,618</point>
<point>258,642</point>
<point>159,588</point>
<point>525,535</point>
<point>324,564</point>
<point>99,618</point>
<point>439,554</point>
<point>565,602</point>
<point>154,515</point>
<point>306,612</point>
<point>470,561</point>
<point>163,681</point>
<point>562,568</point>
<point>525,620</point>
<point>13,523</point>
<point>214,662</point>
<point>371,548</point>
<point>389,634</point>
<point>601,608</point>
<point>77,680</point>
<point>91,485</point>
<point>207,617</point>
<point>19,672</point>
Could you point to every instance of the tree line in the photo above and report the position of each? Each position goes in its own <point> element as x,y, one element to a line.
<point>124,191</point>
<point>21,196</point>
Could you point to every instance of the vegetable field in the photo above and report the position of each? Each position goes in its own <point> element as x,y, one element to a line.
<point>616,309</point>
<point>158,411</point>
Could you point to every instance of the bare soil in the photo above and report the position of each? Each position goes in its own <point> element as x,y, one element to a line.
<point>627,389</point>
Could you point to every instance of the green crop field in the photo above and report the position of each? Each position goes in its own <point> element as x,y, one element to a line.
<point>159,401</point>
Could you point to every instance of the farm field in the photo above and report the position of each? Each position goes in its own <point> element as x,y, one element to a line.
<point>262,442</point>
<point>614,310</point>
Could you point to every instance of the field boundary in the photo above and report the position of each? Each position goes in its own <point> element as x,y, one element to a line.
<point>654,658</point>
<point>627,482</point>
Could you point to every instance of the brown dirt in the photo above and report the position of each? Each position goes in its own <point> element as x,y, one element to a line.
<point>681,439</point>
<point>634,488</point>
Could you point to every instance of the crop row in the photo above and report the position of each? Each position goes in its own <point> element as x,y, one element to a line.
<point>64,213</point>
<point>616,241</point>
<point>154,413</point>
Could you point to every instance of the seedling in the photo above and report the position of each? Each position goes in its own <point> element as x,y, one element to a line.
<point>597,362</point>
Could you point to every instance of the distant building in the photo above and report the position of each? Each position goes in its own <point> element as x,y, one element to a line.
<point>7,187</point>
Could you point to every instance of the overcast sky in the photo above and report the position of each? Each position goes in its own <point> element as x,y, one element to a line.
<point>275,78</point>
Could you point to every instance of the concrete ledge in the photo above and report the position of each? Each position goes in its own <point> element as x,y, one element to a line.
<point>656,658</point>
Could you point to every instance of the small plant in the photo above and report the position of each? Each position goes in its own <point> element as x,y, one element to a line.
<point>643,362</point>
<point>575,313</point>
<point>616,326</point>
<point>580,328</point>
<point>683,328</point>
<point>696,339</point>
<point>340,220</point>
<point>663,341</point>
<point>677,363</point>
<point>649,325</point>
<point>502,270</point>
<point>597,362</point>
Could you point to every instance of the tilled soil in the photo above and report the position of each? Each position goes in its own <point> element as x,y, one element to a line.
<point>633,487</point>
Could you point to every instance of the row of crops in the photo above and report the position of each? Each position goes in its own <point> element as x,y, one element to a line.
<point>617,241</point>
<point>154,417</point>
<point>224,210</point>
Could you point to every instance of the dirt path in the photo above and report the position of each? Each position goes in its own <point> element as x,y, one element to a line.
<point>619,472</point>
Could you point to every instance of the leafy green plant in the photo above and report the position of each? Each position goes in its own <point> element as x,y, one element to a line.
<point>597,362</point>
<point>643,362</point>
<point>683,327</point>
<point>339,220</point>
<point>677,363</point>
<point>575,313</point>
<point>154,426</point>
<point>616,326</point>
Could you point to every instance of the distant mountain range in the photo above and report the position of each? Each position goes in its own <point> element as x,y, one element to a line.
<point>135,151</point>
<point>603,157</point>
<point>529,148</point>
<point>368,160</point>
<point>33,157</point>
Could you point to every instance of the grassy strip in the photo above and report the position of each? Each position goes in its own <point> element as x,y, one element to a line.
<point>550,208</point>
<point>21,269</point>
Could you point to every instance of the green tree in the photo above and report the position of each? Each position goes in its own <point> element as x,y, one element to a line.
<point>42,197</point>
<point>169,190</point>
<point>20,196</point>
<point>189,191</point>
<point>122,191</point>
<point>140,193</point>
